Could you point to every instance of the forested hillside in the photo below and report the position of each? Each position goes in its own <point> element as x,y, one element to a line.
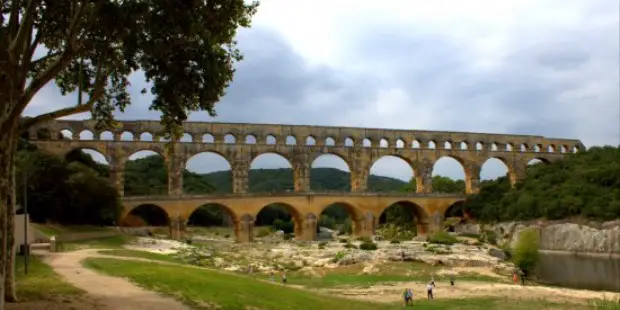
<point>584,184</point>
<point>148,176</point>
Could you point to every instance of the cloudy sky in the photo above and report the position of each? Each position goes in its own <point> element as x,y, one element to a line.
<point>544,67</point>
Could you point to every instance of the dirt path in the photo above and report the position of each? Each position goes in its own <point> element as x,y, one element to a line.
<point>463,290</point>
<point>110,292</point>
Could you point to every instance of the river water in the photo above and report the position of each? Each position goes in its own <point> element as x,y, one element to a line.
<point>580,271</point>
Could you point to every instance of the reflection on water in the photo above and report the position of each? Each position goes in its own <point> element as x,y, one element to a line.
<point>584,272</point>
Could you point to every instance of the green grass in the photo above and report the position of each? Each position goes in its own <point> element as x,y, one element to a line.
<point>391,272</point>
<point>142,254</point>
<point>114,242</point>
<point>41,282</point>
<point>207,289</point>
<point>224,290</point>
<point>55,230</point>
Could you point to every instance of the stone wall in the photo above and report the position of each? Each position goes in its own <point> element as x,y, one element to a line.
<point>592,238</point>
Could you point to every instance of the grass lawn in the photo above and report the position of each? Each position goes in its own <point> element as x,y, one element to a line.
<point>55,230</point>
<point>224,290</point>
<point>114,242</point>
<point>142,254</point>
<point>203,288</point>
<point>390,272</point>
<point>41,282</point>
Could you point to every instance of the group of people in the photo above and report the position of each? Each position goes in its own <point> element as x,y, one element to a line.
<point>408,294</point>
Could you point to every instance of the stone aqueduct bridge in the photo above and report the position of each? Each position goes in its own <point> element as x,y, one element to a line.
<point>301,145</point>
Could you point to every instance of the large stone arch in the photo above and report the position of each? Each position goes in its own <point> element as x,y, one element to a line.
<point>128,152</point>
<point>510,167</point>
<point>229,211</point>
<point>421,217</point>
<point>135,209</point>
<point>340,154</point>
<point>93,147</point>
<point>356,214</point>
<point>296,216</point>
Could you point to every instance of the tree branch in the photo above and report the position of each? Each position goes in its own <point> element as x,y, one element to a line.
<point>25,28</point>
<point>100,83</point>
<point>39,81</point>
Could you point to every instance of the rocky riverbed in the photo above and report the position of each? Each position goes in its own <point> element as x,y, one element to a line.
<point>272,253</point>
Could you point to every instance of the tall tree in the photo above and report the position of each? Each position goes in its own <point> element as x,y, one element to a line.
<point>186,50</point>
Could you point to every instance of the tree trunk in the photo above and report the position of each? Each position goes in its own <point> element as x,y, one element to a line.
<point>10,294</point>
<point>5,180</point>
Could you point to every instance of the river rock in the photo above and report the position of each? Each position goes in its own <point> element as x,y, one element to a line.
<point>355,258</point>
<point>370,269</point>
<point>497,253</point>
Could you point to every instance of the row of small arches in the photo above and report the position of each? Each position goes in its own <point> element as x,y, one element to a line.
<point>329,141</point>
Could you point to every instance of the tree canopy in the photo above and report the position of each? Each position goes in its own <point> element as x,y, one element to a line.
<point>584,184</point>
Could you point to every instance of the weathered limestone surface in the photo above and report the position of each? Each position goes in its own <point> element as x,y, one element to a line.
<point>568,237</point>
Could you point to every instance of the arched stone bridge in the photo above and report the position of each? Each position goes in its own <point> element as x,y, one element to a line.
<point>240,144</point>
<point>364,209</point>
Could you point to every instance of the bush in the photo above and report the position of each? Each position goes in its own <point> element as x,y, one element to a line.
<point>350,245</point>
<point>442,237</point>
<point>338,257</point>
<point>368,246</point>
<point>525,254</point>
<point>394,241</point>
<point>322,244</point>
<point>327,221</point>
<point>226,236</point>
<point>343,240</point>
<point>288,236</point>
<point>286,227</point>
<point>263,231</point>
<point>471,235</point>
<point>364,239</point>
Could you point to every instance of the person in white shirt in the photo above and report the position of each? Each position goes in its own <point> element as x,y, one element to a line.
<point>429,291</point>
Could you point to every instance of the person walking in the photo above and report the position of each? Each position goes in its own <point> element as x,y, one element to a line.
<point>429,291</point>
<point>514,277</point>
<point>452,280</point>
<point>283,277</point>
<point>408,296</point>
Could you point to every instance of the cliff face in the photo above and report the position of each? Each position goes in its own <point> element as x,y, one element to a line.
<point>600,238</point>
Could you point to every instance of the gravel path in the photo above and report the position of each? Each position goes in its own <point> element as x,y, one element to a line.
<point>110,292</point>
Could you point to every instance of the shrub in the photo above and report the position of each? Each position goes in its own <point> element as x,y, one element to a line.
<point>263,231</point>
<point>286,227</point>
<point>338,257</point>
<point>442,237</point>
<point>394,241</point>
<point>327,221</point>
<point>345,228</point>
<point>350,245</point>
<point>343,240</point>
<point>288,236</point>
<point>471,235</point>
<point>226,236</point>
<point>364,239</point>
<point>368,246</point>
<point>322,244</point>
<point>525,254</point>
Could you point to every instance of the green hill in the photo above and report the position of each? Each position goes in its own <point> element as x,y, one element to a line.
<point>147,175</point>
